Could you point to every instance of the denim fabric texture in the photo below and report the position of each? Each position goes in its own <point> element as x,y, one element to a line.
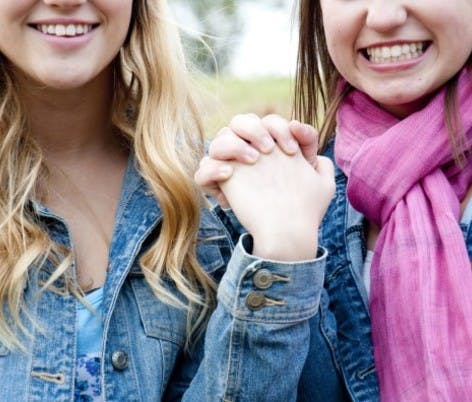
<point>254,348</point>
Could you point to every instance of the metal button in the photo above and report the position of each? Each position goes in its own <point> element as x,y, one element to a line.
<point>263,279</point>
<point>119,360</point>
<point>255,300</point>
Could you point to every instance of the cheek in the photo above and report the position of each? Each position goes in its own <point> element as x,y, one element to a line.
<point>122,12</point>
<point>340,52</point>
<point>15,9</point>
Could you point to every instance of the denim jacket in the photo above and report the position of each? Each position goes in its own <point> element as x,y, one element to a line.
<point>245,354</point>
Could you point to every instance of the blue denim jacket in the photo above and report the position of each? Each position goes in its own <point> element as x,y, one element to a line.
<point>244,356</point>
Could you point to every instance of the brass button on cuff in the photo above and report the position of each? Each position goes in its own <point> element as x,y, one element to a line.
<point>263,279</point>
<point>119,360</point>
<point>255,300</point>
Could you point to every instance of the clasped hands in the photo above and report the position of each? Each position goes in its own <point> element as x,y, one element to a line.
<point>268,171</point>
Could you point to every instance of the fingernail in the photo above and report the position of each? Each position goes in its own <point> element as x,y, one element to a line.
<point>307,129</point>
<point>225,171</point>
<point>267,144</point>
<point>251,155</point>
<point>292,145</point>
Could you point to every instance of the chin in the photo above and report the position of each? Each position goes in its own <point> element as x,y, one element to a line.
<point>402,106</point>
<point>64,83</point>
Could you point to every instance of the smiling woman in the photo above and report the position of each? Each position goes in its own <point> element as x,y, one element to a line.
<point>109,254</point>
<point>427,36</point>
<point>390,84</point>
<point>43,35</point>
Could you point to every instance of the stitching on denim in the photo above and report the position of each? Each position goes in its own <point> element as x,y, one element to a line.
<point>56,378</point>
<point>364,373</point>
<point>338,271</point>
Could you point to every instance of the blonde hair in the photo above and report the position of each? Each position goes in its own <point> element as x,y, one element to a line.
<point>156,114</point>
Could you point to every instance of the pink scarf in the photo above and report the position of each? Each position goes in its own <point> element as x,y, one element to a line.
<point>402,176</point>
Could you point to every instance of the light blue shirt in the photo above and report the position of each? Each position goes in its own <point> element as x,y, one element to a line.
<point>89,324</point>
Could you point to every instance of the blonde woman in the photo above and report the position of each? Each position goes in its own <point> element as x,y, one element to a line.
<point>108,259</point>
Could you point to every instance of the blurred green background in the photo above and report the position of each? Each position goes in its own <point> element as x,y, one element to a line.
<point>249,68</point>
<point>223,97</point>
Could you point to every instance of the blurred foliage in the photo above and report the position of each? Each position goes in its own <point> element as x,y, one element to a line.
<point>214,31</point>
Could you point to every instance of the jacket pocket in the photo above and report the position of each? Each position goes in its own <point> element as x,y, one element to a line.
<point>159,320</point>
<point>209,256</point>
<point>164,328</point>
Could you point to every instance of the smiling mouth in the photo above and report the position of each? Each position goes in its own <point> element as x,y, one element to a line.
<point>64,30</point>
<point>395,53</point>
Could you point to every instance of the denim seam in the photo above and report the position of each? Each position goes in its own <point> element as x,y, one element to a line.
<point>228,234</point>
<point>232,373</point>
<point>131,361</point>
<point>328,341</point>
<point>287,317</point>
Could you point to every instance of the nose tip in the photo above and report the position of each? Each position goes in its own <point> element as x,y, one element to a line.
<point>385,15</point>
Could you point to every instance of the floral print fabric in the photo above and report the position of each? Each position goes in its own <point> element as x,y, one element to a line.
<point>87,383</point>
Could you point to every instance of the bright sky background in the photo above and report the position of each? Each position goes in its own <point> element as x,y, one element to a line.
<point>268,44</point>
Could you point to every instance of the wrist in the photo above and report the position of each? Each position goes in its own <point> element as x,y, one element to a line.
<point>283,246</point>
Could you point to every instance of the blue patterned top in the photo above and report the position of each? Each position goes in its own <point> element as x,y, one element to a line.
<point>89,340</point>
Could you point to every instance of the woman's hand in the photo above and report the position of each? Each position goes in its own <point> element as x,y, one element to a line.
<point>280,200</point>
<point>246,137</point>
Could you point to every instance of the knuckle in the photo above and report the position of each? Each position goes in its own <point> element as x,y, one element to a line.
<point>272,119</point>
<point>223,132</point>
<point>216,146</point>
<point>203,161</point>
<point>241,121</point>
<point>238,120</point>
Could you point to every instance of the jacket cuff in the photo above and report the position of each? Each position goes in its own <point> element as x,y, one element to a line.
<point>254,289</point>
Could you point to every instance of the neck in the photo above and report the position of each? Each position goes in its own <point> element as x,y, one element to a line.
<point>73,121</point>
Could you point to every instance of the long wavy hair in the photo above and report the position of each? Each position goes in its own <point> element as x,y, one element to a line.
<point>317,97</point>
<point>153,110</point>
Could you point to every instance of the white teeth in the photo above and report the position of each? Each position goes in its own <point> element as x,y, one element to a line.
<point>60,30</point>
<point>70,30</point>
<point>395,53</point>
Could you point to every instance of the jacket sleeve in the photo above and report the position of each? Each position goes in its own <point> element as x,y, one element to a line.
<point>257,339</point>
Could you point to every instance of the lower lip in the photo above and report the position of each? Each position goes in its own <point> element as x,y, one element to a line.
<point>67,42</point>
<point>394,66</point>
